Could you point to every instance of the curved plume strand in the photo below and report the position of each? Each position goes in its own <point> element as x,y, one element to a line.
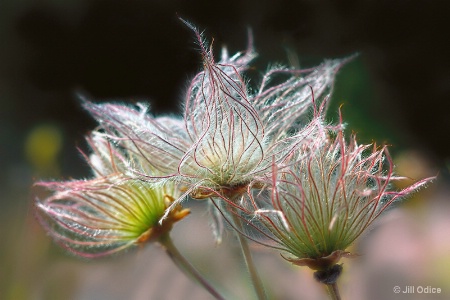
<point>287,106</point>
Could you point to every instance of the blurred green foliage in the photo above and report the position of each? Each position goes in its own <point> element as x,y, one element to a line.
<point>357,98</point>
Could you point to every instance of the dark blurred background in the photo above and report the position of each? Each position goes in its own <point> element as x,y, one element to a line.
<point>397,91</point>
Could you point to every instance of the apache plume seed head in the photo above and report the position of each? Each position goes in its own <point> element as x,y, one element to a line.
<point>236,132</point>
<point>110,212</point>
<point>322,204</point>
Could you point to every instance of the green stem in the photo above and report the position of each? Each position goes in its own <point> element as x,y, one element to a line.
<point>186,267</point>
<point>256,280</point>
<point>334,291</point>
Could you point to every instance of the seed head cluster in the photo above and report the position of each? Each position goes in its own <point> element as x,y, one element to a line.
<point>262,152</point>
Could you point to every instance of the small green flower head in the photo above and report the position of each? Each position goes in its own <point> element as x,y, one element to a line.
<point>105,215</point>
<point>109,212</point>
<point>322,204</point>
